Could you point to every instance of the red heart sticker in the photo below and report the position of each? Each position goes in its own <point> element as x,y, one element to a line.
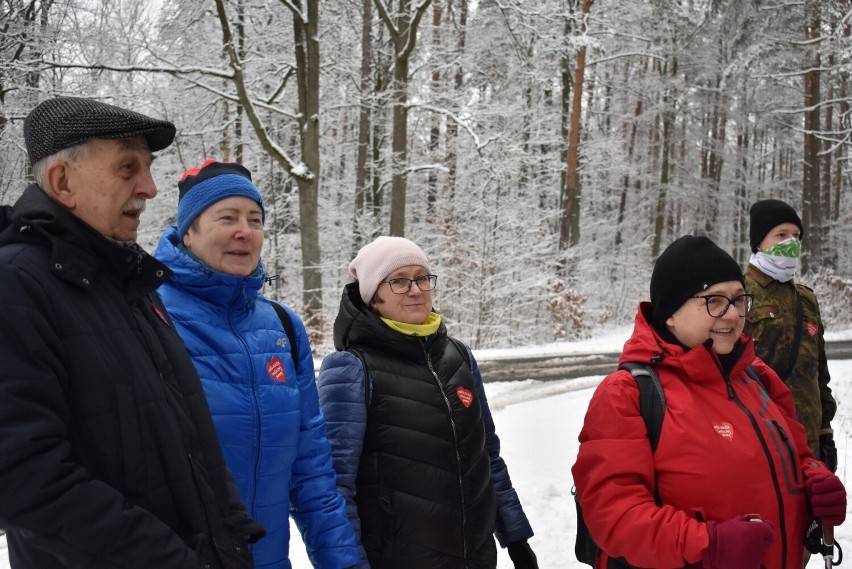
<point>724,430</point>
<point>813,328</point>
<point>464,395</point>
<point>276,370</point>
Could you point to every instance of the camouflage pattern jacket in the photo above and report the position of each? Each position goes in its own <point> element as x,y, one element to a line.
<point>772,323</point>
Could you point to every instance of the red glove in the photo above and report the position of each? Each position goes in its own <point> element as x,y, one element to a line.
<point>827,497</point>
<point>738,544</point>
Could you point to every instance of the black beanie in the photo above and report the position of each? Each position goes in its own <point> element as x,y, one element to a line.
<point>688,266</point>
<point>766,214</point>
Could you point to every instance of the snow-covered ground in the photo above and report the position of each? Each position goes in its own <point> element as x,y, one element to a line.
<point>538,423</point>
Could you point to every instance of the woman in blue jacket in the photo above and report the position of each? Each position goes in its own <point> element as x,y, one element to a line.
<point>414,445</point>
<point>263,403</point>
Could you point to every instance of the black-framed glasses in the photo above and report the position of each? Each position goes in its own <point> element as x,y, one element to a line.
<point>718,304</point>
<point>401,285</point>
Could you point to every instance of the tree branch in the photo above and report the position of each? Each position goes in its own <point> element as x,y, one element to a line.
<point>412,28</point>
<point>385,17</point>
<point>296,11</point>
<point>297,170</point>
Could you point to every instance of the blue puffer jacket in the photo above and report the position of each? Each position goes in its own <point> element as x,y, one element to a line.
<point>267,416</point>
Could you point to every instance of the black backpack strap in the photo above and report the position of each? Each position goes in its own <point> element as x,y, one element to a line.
<point>461,348</point>
<point>289,329</point>
<point>652,407</point>
<point>797,339</point>
<point>652,400</point>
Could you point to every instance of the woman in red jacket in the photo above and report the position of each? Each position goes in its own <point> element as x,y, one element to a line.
<point>732,470</point>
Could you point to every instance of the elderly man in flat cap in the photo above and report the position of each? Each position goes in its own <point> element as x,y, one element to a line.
<point>108,455</point>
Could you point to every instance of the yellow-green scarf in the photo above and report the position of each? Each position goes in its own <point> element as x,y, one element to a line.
<point>429,327</point>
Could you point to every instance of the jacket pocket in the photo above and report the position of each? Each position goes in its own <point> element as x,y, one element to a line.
<point>766,325</point>
<point>235,553</point>
<point>133,463</point>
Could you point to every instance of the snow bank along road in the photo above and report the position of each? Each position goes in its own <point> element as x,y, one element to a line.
<point>517,367</point>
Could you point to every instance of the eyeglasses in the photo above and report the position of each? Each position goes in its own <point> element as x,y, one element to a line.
<point>402,285</point>
<point>718,304</point>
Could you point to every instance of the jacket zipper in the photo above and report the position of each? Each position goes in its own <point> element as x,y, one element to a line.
<point>768,455</point>
<point>255,408</point>
<point>458,456</point>
<point>788,446</point>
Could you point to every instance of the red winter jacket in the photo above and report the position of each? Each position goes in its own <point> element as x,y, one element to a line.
<point>724,450</point>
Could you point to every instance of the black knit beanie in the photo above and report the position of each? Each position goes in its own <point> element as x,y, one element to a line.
<point>688,266</point>
<point>766,214</point>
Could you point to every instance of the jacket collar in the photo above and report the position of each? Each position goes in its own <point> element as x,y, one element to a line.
<point>646,345</point>
<point>200,280</point>
<point>758,276</point>
<point>357,325</point>
<point>79,254</point>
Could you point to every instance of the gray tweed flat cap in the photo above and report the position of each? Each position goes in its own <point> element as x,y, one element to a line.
<point>63,122</point>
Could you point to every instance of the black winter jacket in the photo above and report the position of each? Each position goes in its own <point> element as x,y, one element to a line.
<point>425,495</point>
<point>108,456</point>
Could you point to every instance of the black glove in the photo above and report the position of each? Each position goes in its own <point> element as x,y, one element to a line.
<point>522,555</point>
<point>828,452</point>
<point>813,537</point>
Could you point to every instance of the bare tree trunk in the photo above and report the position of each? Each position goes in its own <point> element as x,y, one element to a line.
<point>663,194</point>
<point>569,234</point>
<point>305,29</point>
<point>625,184</point>
<point>717,160</point>
<point>403,32</point>
<point>654,159</point>
<point>362,169</point>
<point>565,119</point>
<point>843,111</point>
<point>839,156</point>
<point>399,146</point>
<point>307,71</point>
<point>452,126</point>
<point>811,166</point>
<point>741,203</point>
<point>238,112</point>
<point>435,129</point>
<point>379,134</point>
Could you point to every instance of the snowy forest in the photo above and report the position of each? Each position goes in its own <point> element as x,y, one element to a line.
<point>541,152</point>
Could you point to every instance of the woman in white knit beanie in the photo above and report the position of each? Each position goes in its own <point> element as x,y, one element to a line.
<point>413,442</point>
<point>402,265</point>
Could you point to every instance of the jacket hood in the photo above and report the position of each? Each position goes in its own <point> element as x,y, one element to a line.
<point>200,280</point>
<point>647,346</point>
<point>35,210</point>
<point>357,325</point>
<point>78,251</point>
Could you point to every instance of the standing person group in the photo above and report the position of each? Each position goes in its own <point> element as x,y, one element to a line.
<point>108,454</point>
<point>414,444</point>
<point>785,321</point>
<point>263,399</point>
<point>732,483</point>
<point>115,453</point>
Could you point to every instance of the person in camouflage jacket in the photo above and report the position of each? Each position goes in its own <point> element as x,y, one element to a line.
<point>785,321</point>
